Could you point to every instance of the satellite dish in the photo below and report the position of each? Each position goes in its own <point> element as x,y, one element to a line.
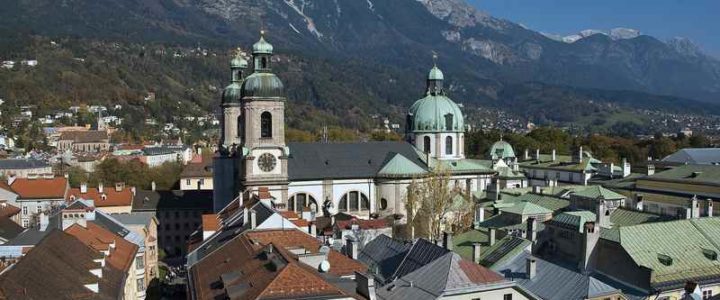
<point>324,249</point>
<point>324,266</point>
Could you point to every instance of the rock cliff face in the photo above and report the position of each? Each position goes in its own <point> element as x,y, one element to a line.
<point>482,52</point>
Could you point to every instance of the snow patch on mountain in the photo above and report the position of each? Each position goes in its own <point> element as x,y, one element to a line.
<point>371,6</point>
<point>301,11</point>
<point>461,14</point>
<point>619,33</point>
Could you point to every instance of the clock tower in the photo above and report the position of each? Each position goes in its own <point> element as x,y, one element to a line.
<point>263,161</point>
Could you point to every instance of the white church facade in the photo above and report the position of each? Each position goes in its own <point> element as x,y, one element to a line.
<point>368,180</point>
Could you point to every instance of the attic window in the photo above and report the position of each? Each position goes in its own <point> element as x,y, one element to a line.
<point>665,260</point>
<point>710,254</point>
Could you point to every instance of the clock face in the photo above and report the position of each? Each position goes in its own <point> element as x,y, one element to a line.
<point>267,162</point>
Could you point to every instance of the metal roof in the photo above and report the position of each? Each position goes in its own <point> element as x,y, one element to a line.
<point>698,156</point>
<point>19,164</point>
<point>526,208</point>
<point>574,219</point>
<point>401,166</point>
<point>553,281</point>
<point>383,255</point>
<point>598,192</point>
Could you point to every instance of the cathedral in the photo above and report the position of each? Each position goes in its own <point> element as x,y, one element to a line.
<point>362,179</point>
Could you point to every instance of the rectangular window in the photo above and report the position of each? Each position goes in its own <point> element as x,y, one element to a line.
<point>140,284</point>
<point>354,201</point>
<point>507,297</point>
<point>26,223</point>
<point>39,208</point>
<point>139,262</point>
<point>25,210</point>
<point>187,182</point>
<point>707,294</point>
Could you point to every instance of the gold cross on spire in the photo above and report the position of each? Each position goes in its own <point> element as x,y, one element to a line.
<point>435,58</point>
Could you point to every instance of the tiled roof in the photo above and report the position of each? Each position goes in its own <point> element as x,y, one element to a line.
<point>553,281</point>
<point>677,250</point>
<point>69,262</point>
<point>112,197</point>
<point>134,218</point>
<point>526,208</point>
<point>9,229</point>
<point>598,192</point>
<point>90,136</point>
<point>445,276</point>
<point>7,210</point>
<point>197,169</point>
<point>100,239</point>
<point>247,270</point>
<point>40,188</point>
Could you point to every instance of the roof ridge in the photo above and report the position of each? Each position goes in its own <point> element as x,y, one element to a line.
<point>705,235</point>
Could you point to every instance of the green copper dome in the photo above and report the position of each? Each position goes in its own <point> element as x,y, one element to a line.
<point>232,93</point>
<point>238,63</point>
<point>436,74</point>
<point>266,86</point>
<point>435,113</point>
<point>262,47</point>
<point>501,150</point>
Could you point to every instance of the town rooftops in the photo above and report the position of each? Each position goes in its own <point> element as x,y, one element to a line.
<point>40,188</point>
<point>69,261</point>
<point>135,218</point>
<point>20,164</point>
<point>526,208</point>
<point>689,174</point>
<point>574,219</point>
<point>122,252</point>
<point>598,192</point>
<point>197,169</point>
<point>147,200</point>
<point>389,259</point>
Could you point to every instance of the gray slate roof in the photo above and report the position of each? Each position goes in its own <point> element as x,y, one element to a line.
<point>383,255</point>
<point>553,281</point>
<point>135,218</point>
<point>20,164</point>
<point>421,253</point>
<point>698,156</point>
<point>309,161</point>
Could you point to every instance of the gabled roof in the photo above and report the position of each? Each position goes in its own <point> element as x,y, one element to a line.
<point>445,276</point>
<point>626,217</point>
<point>9,229</point>
<point>698,156</point>
<point>400,166</point>
<point>121,257</point>
<point>599,192</point>
<point>504,249</point>
<point>421,253</point>
<point>89,136</point>
<point>40,188</point>
<point>689,173</point>
<point>574,220</point>
<point>553,281</point>
<point>526,208</point>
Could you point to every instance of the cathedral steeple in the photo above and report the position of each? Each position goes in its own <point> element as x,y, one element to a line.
<point>435,79</point>
<point>262,54</point>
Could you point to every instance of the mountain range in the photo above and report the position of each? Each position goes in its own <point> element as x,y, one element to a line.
<point>391,41</point>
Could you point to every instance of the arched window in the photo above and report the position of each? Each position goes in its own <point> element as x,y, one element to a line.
<point>266,125</point>
<point>263,63</point>
<point>426,144</point>
<point>449,122</point>
<point>302,201</point>
<point>383,204</point>
<point>354,202</point>
<point>448,145</point>
<point>239,126</point>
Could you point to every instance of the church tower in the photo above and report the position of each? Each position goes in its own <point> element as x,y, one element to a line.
<point>262,133</point>
<point>225,162</point>
<point>435,124</point>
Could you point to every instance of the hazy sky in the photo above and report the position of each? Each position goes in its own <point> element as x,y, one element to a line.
<point>698,20</point>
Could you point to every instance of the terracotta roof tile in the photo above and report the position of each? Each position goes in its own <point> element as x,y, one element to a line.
<point>90,136</point>
<point>479,274</point>
<point>40,188</point>
<point>112,197</point>
<point>99,238</point>
<point>7,210</point>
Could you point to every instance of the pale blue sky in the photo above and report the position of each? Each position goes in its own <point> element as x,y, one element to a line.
<point>698,20</point>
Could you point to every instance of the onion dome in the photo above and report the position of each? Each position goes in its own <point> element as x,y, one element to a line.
<point>436,74</point>
<point>238,62</point>
<point>262,46</point>
<point>232,93</point>
<point>263,86</point>
<point>501,150</point>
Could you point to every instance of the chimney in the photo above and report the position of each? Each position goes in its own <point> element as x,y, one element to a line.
<point>83,188</point>
<point>639,204</point>
<point>351,247</point>
<point>44,221</point>
<point>101,187</point>
<point>554,156</point>
<point>527,154</point>
<point>492,236</point>
<point>650,170</point>
<point>365,285</point>
<point>591,235</point>
<point>694,207</point>
<point>133,191</point>
<point>536,189</point>
<point>312,229</point>
<point>119,186</point>
<point>447,241</point>
<point>580,154</point>
<point>537,154</point>
<point>246,216</point>
<point>531,267</point>
<point>709,208</point>
<point>625,168</point>
<point>476,252</point>
<point>153,185</point>
<point>531,229</point>
<point>253,219</point>
<point>479,214</point>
